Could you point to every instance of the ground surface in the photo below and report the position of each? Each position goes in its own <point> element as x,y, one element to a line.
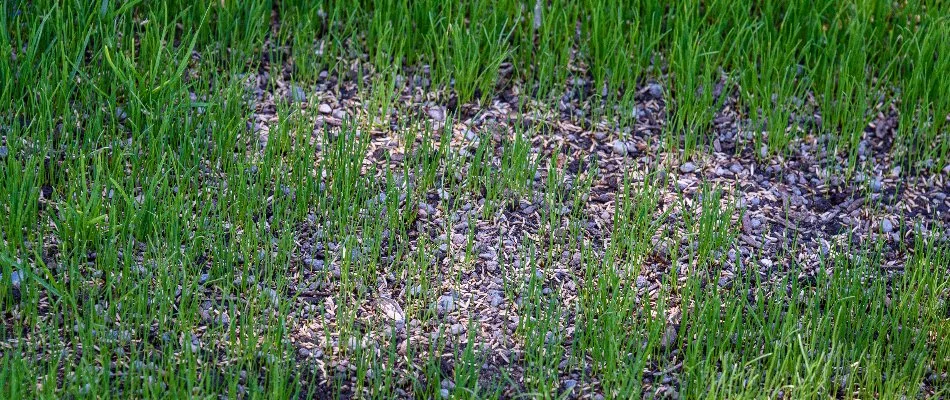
<point>214,214</point>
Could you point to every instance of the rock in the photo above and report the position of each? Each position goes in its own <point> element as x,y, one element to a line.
<point>297,94</point>
<point>496,300</point>
<point>4,151</point>
<point>15,278</point>
<point>445,304</point>
<point>655,91</point>
<point>339,114</point>
<point>687,167</point>
<point>642,282</point>
<point>631,148</point>
<point>303,352</point>
<point>314,263</point>
<point>669,337</point>
<point>887,226</point>
<point>391,309</point>
<point>619,147</point>
<point>325,108</point>
<point>766,263</point>
<point>876,185</point>
<point>457,329</point>
<point>735,168</point>
<point>444,393</point>
<point>436,113</point>
<point>755,223</point>
<point>569,385</point>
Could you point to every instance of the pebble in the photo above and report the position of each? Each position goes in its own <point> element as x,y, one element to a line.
<point>304,352</point>
<point>325,108</point>
<point>15,278</point>
<point>496,300</point>
<point>436,113</point>
<point>687,167</point>
<point>619,147</point>
<point>444,393</point>
<point>876,185</point>
<point>470,136</point>
<point>297,94</point>
<point>569,384</point>
<point>457,329</point>
<point>4,151</point>
<point>655,91</point>
<point>642,282</point>
<point>445,304</point>
<point>669,337</point>
<point>735,168</point>
<point>631,148</point>
<point>766,263</point>
<point>887,226</point>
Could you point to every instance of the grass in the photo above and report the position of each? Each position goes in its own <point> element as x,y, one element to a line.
<point>175,224</point>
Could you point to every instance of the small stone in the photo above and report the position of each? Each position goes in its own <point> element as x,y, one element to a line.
<point>325,108</point>
<point>669,337</point>
<point>687,167</point>
<point>304,352</point>
<point>297,94</point>
<point>436,113</point>
<point>470,136</point>
<point>766,263</point>
<point>755,223</point>
<point>655,91</point>
<point>457,329</point>
<point>339,114</point>
<point>15,278</point>
<point>569,384</point>
<point>876,185</point>
<point>631,148</point>
<point>735,168</point>
<point>642,282</point>
<point>445,304</point>
<point>619,147</point>
<point>887,226</point>
<point>4,151</point>
<point>444,393</point>
<point>496,300</point>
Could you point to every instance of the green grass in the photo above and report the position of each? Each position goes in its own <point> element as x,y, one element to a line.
<point>160,241</point>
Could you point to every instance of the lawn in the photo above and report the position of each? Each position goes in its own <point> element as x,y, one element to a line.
<point>552,199</point>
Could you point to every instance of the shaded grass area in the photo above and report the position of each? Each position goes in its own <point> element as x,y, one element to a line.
<point>157,244</point>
